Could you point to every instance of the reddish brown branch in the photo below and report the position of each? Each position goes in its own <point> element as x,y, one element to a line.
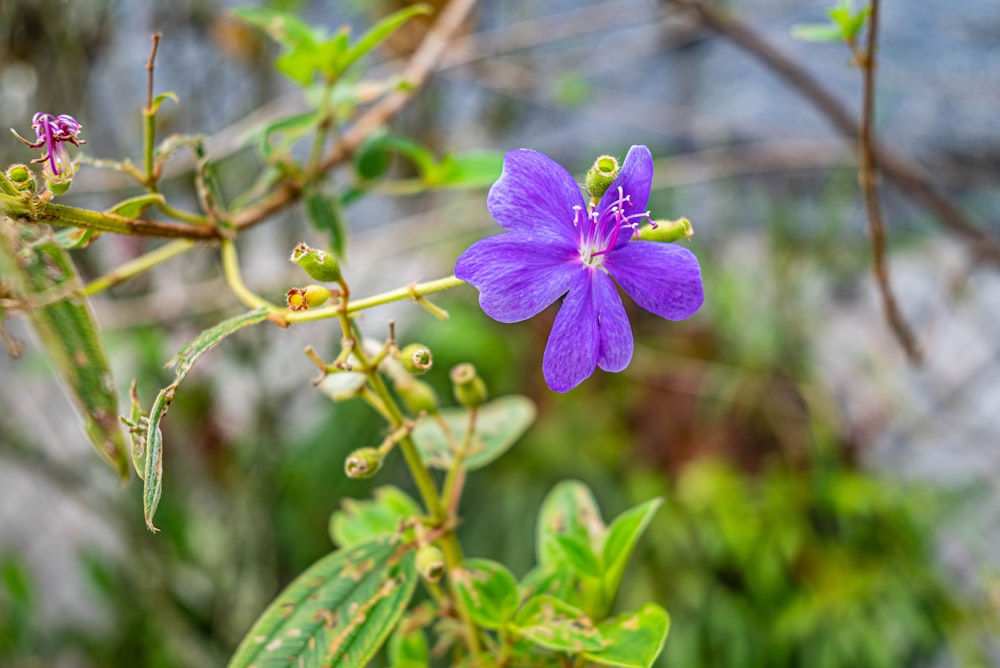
<point>895,167</point>
<point>150,66</point>
<point>869,187</point>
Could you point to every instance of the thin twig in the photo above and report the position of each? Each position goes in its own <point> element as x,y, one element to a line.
<point>869,186</point>
<point>150,66</point>
<point>420,67</point>
<point>893,166</point>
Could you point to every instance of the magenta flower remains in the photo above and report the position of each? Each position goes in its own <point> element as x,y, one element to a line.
<point>52,133</point>
<point>556,244</point>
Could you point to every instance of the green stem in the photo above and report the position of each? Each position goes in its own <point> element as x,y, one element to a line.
<point>231,268</point>
<point>413,291</point>
<point>421,475</point>
<point>71,216</point>
<point>148,139</point>
<point>192,218</point>
<point>138,266</point>
<point>448,493</point>
<point>322,130</point>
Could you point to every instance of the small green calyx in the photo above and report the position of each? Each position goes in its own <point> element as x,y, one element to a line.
<point>470,390</point>
<point>601,176</point>
<point>418,396</point>
<point>22,178</point>
<point>430,563</point>
<point>416,358</point>
<point>667,231</point>
<point>320,265</point>
<point>363,463</point>
<point>311,296</point>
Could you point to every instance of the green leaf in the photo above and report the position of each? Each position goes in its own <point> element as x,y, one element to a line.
<point>553,624</point>
<point>301,57</point>
<point>372,158</point>
<point>488,591</point>
<point>568,509</point>
<point>408,648</point>
<point>634,639</point>
<point>280,136</point>
<point>380,32</point>
<point>325,214</point>
<point>580,555</point>
<point>360,521</point>
<point>163,97</point>
<point>469,170</point>
<point>499,424</point>
<point>152,477</point>
<point>817,32</point>
<point>620,540</point>
<point>337,613</point>
<point>34,265</point>
<point>136,206</point>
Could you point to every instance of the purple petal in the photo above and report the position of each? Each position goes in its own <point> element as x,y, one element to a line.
<point>572,351</point>
<point>664,279</point>
<point>635,179</point>
<point>613,326</point>
<point>516,277</point>
<point>535,196</point>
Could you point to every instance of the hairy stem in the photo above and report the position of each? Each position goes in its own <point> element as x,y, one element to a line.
<point>139,265</point>
<point>413,291</point>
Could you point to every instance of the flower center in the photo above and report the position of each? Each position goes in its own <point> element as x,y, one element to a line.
<point>599,230</point>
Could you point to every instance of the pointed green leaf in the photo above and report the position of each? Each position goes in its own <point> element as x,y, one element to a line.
<point>33,265</point>
<point>380,32</point>
<point>499,424</point>
<point>360,521</point>
<point>818,32</point>
<point>182,363</point>
<point>555,581</point>
<point>163,97</point>
<point>488,591</point>
<point>372,158</point>
<point>136,206</point>
<point>278,137</point>
<point>580,555</point>
<point>324,213</point>
<point>570,509</point>
<point>620,540</point>
<point>337,613</point>
<point>553,624</point>
<point>283,27</point>
<point>634,639</point>
<point>408,648</point>
<point>469,170</point>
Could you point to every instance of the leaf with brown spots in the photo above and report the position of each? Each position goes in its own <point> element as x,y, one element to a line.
<point>336,613</point>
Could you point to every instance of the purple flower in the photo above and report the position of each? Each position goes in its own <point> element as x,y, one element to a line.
<point>53,132</point>
<point>556,245</point>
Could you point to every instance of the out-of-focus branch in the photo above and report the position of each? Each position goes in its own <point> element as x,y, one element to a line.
<point>869,187</point>
<point>420,67</point>
<point>894,167</point>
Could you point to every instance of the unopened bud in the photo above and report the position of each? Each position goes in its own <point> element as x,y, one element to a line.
<point>667,230</point>
<point>363,463</point>
<point>469,388</point>
<point>430,563</point>
<point>311,296</point>
<point>418,396</point>
<point>58,185</point>
<point>22,178</point>
<point>416,358</point>
<point>320,265</point>
<point>601,176</point>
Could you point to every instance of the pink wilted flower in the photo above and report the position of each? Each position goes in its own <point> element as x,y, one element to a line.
<point>52,132</point>
<point>556,244</point>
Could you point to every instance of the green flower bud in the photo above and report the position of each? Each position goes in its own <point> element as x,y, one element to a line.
<point>418,397</point>
<point>430,563</point>
<point>469,388</point>
<point>22,178</point>
<point>60,186</point>
<point>416,358</point>
<point>601,176</point>
<point>320,265</point>
<point>363,463</point>
<point>667,230</point>
<point>311,296</point>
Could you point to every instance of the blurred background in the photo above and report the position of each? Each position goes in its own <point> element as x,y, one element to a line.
<point>828,503</point>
